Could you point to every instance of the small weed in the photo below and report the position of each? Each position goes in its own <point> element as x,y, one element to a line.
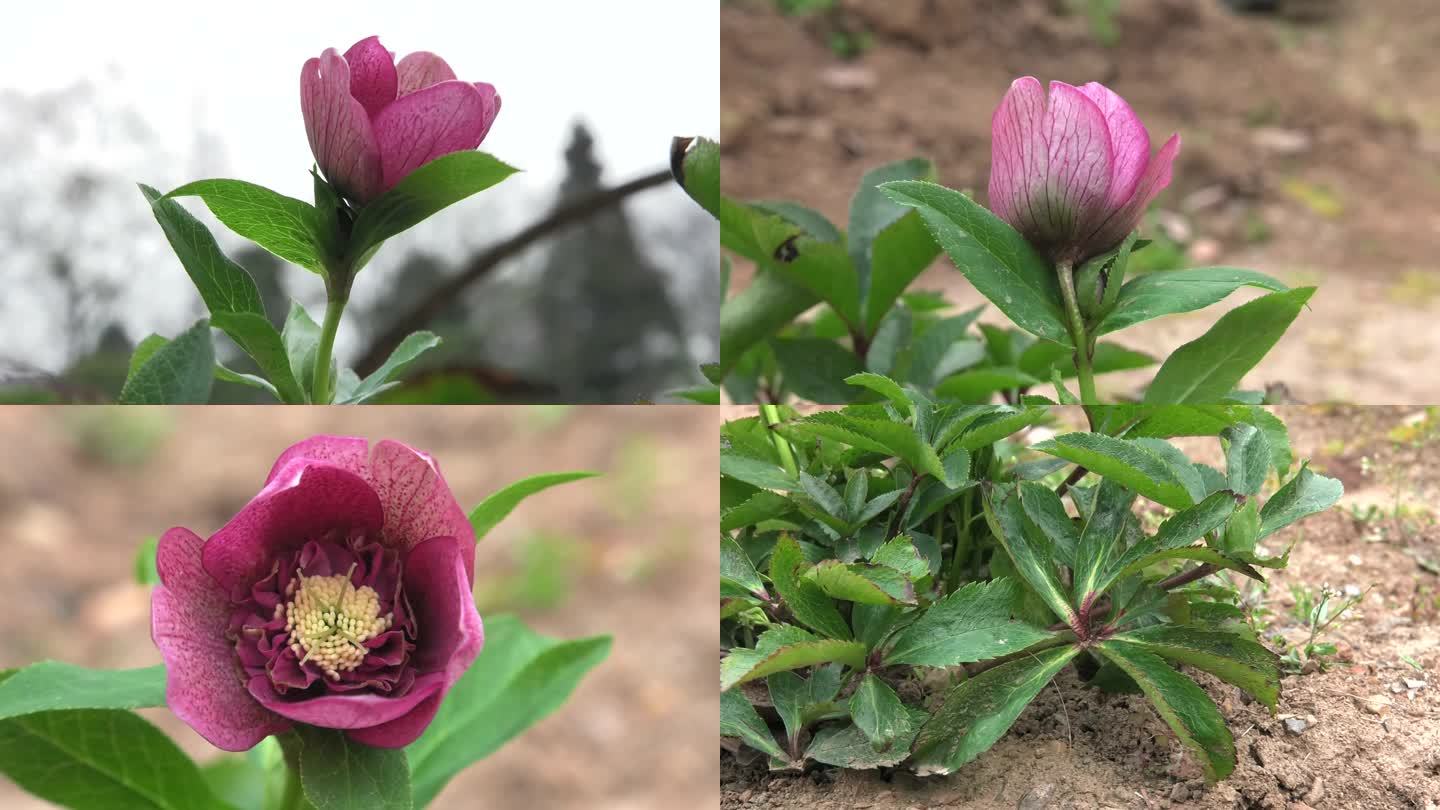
<point>1317,611</point>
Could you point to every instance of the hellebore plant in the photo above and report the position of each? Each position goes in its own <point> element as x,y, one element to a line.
<point>394,143</point>
<point>910,535</point>
<point>1072,175</point>
<point>332,619</point>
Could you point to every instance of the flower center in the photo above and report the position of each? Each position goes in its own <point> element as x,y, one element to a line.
<point>329,620</point>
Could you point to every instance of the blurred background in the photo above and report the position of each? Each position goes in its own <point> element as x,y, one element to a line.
<point>1311,149</point>
<point>621,306</point>
<point>630,553</point>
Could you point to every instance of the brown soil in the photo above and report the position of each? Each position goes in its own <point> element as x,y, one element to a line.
<point>1078,748</point>
<point>1325,135</point>
<point>638,731</point>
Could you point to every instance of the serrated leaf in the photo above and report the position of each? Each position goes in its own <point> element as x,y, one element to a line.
<point>425,191</point>
<point>1128,462</point>
<point>1179,530</point>
<point>735,566</point>
<point>1047,512</point>
<point>255,335</point>
<point>223,285</point>
<point>789,694</point>
<point>810,605</point>
<point>1306,494</point>
<point>973,623</point>
<point>824,495</point>
<point>900,553</point>
<point>414,345</point>
<point>739,719</point>
<point>885,387</point>
<point>877,711</point>
<point>783,648</point>
<point>979,711</point>
<point>848,747</point>
<point>760,506</point>
<point>1247,459</point>
<point>1006,517</point>
<point>753,471</point>
<point>178,373</point>
<point>1231,658</point>
<point>1170,292</point>
<point>1184,706</point>
<point>287,227</point>
<point>865,584</point>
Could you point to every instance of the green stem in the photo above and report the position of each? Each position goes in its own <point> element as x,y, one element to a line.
<point>782,447</point>
<point>1066,272</point>
<point>338,294</point>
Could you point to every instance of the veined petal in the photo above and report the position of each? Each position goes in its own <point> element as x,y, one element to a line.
<point>421,69</point>
<point>1079,164</point>
<point>373,78</point>
<point>339,710</point>
<point>1129,142</point>
<point>1125,218</point>
<point>303,501</point>
<point>341,137</point>
<point>1018,154</point>
<point>426,124</point>
<point>204,683</point>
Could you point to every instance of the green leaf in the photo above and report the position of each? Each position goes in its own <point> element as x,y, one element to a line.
<point>901,554</point>
<point>224,285</point>
<point>1305,494</point>
<point>1190,713</point>
<point>414,345</point>
<point>739,719</point>
<point>1207,369</point>
<point>144,350</point>
<point>760,506</point>
<point>971,624</point>
<point>979,711</point>
<point>1169,292</point>
<point>1131,463</point>
<point>753,471</point>
<point>257,337</point>
<point>145,570</point>
<point>1006,517</point>
<point>240,782</point>
<point>1236,660</point>
<point>1102,533</point>
<point>501,503</point>
<point>735,566</point>
<point>1180,530</point>
<point>695,163</point>
<point>1247,459</point>
<point>822,267</point>
<point>878,712</point>
<point>874,435</point>
<point>700,394</point>
<point>848,747</point>
<point>101,759</point>
<point>790,695</point>
<point>857,490</point>
<point>178,373</point>
<point>980,384</point>
<point>816,369</point>
<point>287,227</point>
<point>1242,530</point>
<point>760,310</point>
<point>53,686</point>
<point>519,678</point>
<point>994,257</point>
<point>864,584</point>
<point>824,495</point>
<point>338,773</point>
<point>811,606</point>
<point>1041,356</point>
<point>809,220</point>
<point>781,648</point>
<point>885,387</point>
<point>427,190</point>
<point>302,343</point>
<point>1047,512</point>
<point>899,254</point>
<point>990,427</point>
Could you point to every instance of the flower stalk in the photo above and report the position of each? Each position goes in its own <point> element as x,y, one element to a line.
<point>338,295</point>
<point>1076,321</point>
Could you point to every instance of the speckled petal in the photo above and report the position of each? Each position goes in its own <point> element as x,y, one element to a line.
<point>204,684</point>
<point>403,730</point>
<point>1129,142</point>
<point>421,69</point>
<point>418,503</point>
<point>356,710</point>
<point>373,78</point>
<point>347,452</point>
<point>341,136</point>
<point>302,501</point>
<point>427,124</point>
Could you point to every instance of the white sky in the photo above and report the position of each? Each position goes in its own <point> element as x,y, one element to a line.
<point>638,71</point>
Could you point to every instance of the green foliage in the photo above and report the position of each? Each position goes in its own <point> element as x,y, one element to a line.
<point>861,545</point>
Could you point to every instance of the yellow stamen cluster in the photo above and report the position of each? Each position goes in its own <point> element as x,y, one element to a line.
<point>329,620</point>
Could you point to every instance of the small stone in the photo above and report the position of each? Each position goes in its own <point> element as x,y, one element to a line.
<point>1316,792</point>
<point>849,78</point>
<point>1179,793</point>
<point>1296,725</point>
<point>1413,683</point>
<point>1204,251</point>
<point>1207,197</point>
<point>1378,705</point>
<point>1038,798</point>
<point>1280,141</point>
<point>1352,591</point>
<point>1355,560</point>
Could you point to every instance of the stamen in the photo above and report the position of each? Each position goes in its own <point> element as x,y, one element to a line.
<point>329,621</point>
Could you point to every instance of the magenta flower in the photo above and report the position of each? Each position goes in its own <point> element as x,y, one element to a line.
<point>372,121</point>
<point>339,596</point>
<point>1073,175</point>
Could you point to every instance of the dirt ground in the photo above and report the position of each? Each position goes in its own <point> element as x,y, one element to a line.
<point>1363,744</point>
<point>1311,149</point>
<point>82,486</point>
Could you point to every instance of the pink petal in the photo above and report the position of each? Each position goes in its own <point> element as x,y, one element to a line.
<point>403,730</point>
<point>1125,219</point>
<point>303,501</point>
<point>421,69</point>
<point>341,136</point>
<point>418,504</point>
<point>346,452</point>
<point>356,710</point>
<point>492,106</point>
<point>1018,153</point>
<point>438,586</point>
<point>204,684</point>
<point>373,79</point>
<point>1129,142</point>
<point>1079,163</point>
<point>424,125</point>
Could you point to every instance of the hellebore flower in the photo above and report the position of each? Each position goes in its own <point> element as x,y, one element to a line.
<point>1073,175</point>
<point>339,597</point>
<point>372,121</point>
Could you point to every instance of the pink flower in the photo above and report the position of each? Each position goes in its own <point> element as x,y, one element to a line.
<point>372,121</point>
<point>1073,175</point>
<point>339,596</point>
